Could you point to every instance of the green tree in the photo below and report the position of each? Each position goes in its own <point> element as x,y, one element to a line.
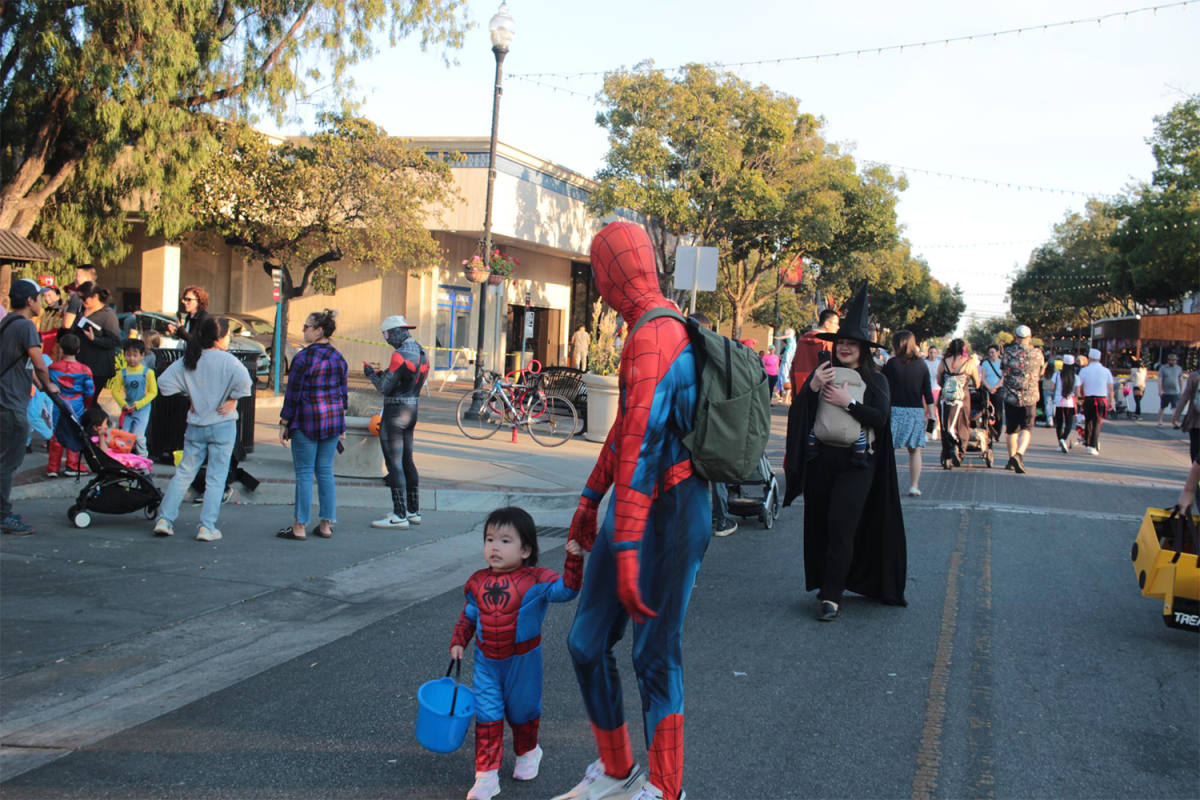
<point>982,332</point>
<point>105,105</point>
<point>905,296</point>
<point>738,167</point>
<point>348,192</point>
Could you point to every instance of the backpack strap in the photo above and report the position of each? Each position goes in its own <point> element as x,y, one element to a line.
<point>655,313</point>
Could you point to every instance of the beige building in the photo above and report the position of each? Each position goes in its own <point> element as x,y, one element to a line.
<point>540,216</point>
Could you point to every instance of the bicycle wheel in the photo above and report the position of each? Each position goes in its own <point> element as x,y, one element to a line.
<point>552,420</point>
<point>478,416</point>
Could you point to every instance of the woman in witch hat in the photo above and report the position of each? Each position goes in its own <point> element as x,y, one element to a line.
<point>840,457</point>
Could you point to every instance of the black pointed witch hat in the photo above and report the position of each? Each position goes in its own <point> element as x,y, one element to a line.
<point>856,322</point>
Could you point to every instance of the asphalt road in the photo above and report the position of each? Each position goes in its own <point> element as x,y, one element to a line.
<point>1026,665</point>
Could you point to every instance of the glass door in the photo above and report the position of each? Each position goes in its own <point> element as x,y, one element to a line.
<point>453,325</point>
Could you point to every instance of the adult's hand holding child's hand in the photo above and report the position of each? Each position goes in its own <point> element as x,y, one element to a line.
<point>583,524</point>
<point>574,548</point>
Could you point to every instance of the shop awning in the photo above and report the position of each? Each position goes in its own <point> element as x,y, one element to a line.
<point>15,247</point>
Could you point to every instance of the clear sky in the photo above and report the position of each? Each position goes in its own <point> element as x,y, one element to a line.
<point>1068,108</point>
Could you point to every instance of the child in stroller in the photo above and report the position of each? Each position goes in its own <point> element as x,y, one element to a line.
<point>757,497</point>
<point>114,487</point>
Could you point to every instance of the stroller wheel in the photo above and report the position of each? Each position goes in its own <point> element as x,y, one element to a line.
<point>767,520</point>
<point>80,519</point>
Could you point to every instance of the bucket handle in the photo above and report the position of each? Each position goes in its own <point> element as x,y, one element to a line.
<point>1183,529</point>
<point>454,662</point>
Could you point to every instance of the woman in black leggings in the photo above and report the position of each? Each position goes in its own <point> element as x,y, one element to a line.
<point>401,386</point>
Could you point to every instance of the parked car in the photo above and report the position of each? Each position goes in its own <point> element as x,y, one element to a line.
<point>238,345</point>
<point>257,329</point>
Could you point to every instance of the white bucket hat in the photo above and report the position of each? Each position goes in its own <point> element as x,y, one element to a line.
<point>1068,360</point>
<point>1023,332</point>
<point>395,321</point>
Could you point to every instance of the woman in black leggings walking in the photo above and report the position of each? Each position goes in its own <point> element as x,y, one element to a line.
<point>401,386</point>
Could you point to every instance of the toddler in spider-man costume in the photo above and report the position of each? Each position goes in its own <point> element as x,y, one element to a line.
<point>645,559</point>
<point>506,603</point>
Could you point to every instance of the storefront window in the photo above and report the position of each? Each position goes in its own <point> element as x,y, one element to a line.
<point>452,325</point>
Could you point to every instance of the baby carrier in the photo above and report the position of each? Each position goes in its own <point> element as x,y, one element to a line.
<point>113,488</point>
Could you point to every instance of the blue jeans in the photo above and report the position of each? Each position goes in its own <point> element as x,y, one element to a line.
<point>309,455</point>
<point>214,442</point>
<point>136,423</point>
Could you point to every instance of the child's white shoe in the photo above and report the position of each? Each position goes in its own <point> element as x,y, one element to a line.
<point>527,765</point>
<point>651,792</point>
<point>487,785</point>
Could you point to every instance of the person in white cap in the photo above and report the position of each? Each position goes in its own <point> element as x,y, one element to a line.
<point>1065,389</point>
<point>1096,387</point>
<point>1023,366</point>
<point>400,386</point>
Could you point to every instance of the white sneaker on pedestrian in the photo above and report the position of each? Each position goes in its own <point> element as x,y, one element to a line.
<point>1093,451</point>
<point>1062,445</point>
<point>163,528</point>
<point>914,491</point>
<point>414,519</point>
<point>651,792</point>
<point>487,785</point>
<point>527,765</point>
<point>206,535</point>
<point>596,784</point>
<point>391,521</point>
<point>725,529</point>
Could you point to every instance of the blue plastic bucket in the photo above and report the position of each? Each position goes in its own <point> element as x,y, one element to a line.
<point>438,729</point>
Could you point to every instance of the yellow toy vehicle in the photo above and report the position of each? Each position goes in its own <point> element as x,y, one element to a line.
<point>1165,561</point>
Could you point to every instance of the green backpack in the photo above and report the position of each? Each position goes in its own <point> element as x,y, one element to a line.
<point>733,405</point>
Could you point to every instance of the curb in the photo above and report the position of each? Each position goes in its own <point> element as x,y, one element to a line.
<point>283,494</point>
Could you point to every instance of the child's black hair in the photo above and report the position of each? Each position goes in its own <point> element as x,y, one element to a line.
<point>136,345</point>
<point>522,523</point>
<point>92,419</point>
<point>69,343</point>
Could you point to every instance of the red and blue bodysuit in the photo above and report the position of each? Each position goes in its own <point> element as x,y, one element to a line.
<point>507,609</point>
<point>76,388</point>
<point>645,559</point>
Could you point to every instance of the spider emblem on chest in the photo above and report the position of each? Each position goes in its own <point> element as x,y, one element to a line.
<point>496,592</point>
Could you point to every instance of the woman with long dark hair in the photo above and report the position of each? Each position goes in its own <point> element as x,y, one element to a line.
<point>99,335</point>
<point>840,457</point>
<point>912,402</point>
<point>957,375</point>
<point>313,421</point>
<point>213,380</point>
<point>1064,402</point>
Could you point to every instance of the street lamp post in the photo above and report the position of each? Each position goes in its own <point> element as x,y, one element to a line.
<point>502,29</point>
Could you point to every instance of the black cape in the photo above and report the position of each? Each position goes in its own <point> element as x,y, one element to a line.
<point>880,564</point>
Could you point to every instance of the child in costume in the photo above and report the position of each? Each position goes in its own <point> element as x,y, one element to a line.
<point>76,388</point>
<point>507,602</point>
<point>95,427</point>
<point>134,388</point>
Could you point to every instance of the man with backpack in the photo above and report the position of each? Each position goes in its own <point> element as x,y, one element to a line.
<point>20,363</point>
<point>685,392</point>
<point>1023,366</point>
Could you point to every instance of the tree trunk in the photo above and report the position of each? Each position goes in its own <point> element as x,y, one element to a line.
<point>739,319</point>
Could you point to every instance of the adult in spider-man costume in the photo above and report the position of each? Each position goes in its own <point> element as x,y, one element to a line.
<point>645,558</point>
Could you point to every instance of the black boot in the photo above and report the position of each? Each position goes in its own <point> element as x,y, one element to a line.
<point>414,506</point>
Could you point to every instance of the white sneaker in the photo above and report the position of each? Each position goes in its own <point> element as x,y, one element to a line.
<point>651,792</point>
<point>391,521</point>
<point>914,491</point>
<point>596,784</point>
<point>414,519</point>
<point>527,765</point>
<point>1093,451</point>
<point>487,785</point>
<point>728,529</point>
<point>205,535</point>
<point>163,528</point>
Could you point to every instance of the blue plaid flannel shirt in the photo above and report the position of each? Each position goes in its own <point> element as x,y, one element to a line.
<point>316,398</point>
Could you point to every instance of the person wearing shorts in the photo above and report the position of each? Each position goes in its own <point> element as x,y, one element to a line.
<point>1170,378</point>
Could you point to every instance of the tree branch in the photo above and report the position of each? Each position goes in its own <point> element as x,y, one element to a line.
<point>319,261</point>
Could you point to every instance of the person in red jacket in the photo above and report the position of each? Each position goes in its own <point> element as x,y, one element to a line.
<point>810,347</point>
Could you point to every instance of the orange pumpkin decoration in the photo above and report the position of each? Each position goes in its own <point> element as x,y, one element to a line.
<point>373,425</point>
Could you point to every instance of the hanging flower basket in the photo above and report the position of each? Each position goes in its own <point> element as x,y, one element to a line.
<point>494,279</point>
<point>475,269</point>
<point>502,264</point>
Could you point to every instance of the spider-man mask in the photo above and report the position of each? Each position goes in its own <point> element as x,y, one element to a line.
<point>625,270</point>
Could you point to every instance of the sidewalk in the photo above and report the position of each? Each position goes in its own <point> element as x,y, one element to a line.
<point>457,473</point>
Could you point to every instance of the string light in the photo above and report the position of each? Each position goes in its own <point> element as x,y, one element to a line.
<point>879,50</point>
<point>983,181</point>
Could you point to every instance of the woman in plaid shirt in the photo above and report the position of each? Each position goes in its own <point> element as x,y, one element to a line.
<point>314,421</point>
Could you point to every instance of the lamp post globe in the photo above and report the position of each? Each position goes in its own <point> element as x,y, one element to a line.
<point>502,28</point>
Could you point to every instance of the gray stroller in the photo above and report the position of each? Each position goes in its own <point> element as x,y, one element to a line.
<point>757,497</point>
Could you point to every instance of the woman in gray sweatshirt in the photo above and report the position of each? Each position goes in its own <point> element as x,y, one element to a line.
<point>213,380</point>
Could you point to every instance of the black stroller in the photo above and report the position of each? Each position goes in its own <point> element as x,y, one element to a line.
<point>979,430</point>
<point>112,488</point>
<point>758,497</point>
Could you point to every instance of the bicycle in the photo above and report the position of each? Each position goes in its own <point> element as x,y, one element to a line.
<point>550,419</point>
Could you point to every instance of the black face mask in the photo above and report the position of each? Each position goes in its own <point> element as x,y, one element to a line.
<point>397,336</point>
